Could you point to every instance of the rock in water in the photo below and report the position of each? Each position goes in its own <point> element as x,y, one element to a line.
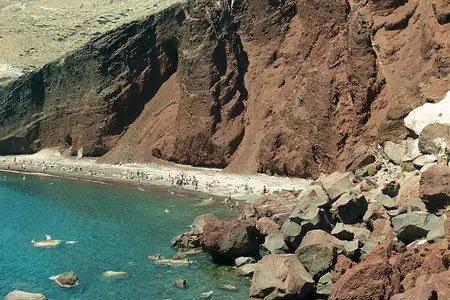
<point>114,274</point>
<point>227,287</point>
<point>246,270</point>
<point>281,276</point>
<point>435,187</point>
<point>240,261</point>
<point>21,295</point>
<point>66,280</point>
<point>180,283</point>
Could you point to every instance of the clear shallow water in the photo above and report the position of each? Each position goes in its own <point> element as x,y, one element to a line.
<point>116,228</point>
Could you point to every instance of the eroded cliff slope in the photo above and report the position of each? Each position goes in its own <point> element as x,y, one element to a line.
<point>280,87</point>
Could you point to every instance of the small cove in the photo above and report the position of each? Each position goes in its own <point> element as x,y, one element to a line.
<point>115,228</point>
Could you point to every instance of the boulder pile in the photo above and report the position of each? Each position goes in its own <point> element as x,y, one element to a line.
<point>379,232</point>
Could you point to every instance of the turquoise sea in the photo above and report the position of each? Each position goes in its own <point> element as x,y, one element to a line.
<point>115,228</point>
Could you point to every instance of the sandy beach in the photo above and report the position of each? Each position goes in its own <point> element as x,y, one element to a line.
<point>214,182</point>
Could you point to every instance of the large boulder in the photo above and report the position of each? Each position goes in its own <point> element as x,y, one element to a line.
<point>416,225</point>
<point>293,233</point>
<point>318,251</point>
<point>395,152</point>
<point>281,276</point>
<point>386,201</point>
<point>372,278</point>
<point>435,286</point>
<point>435,139</point>
<point>314,194</point>
<point>349,208</point>
<point>435,187</point>
<point>336,184</point>
<point>409,190</point>
<point>273,244</point>
<point>266,225</point>
<point>227,240</point>
<point>21,295</point>
<point>305,217</point>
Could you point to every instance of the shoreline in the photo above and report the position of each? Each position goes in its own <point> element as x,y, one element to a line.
<point>213,182</point>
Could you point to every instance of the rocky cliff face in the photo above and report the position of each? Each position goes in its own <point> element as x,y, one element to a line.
<point>280,87</point>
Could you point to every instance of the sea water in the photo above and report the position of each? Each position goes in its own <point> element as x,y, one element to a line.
<point>108,228</point>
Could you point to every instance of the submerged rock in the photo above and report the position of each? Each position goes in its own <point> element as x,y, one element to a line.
<point>228,287</point>
<point>180,283</point>
<point>114,274</point>
<point>21,295</point>
<point>280,276</point>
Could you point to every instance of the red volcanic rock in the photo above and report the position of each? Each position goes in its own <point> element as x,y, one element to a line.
<point>435,286</point>
<point>227,240</point>
<point>424,260</point>
<point>343,264</point>
<point>266,225</point>
<point>372,278</point>
<point>435,186</point>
